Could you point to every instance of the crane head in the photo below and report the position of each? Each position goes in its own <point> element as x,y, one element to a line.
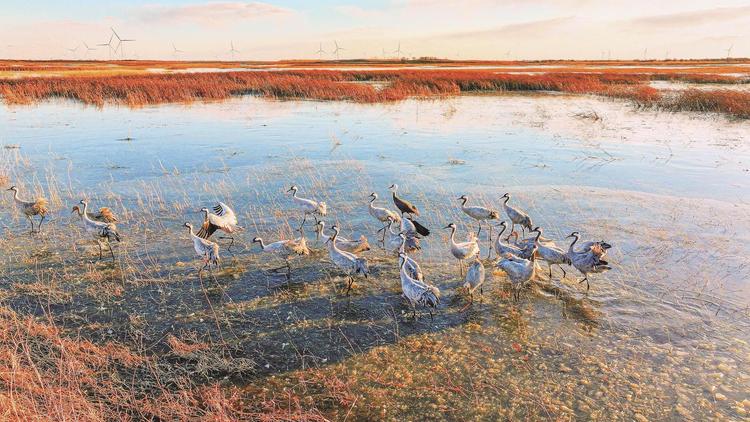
<point>574,234</point>
<point>256,240</point>
<point>450,226</point>
<point>13,188</point>
<point>293,189</point>
<point>393,187</point>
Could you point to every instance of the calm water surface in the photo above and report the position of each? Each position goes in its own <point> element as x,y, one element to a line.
<point>671,192</point>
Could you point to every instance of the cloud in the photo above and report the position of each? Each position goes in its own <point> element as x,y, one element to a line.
<point>212,13</point>
<point>531,28</point>
<point>359,12</point>
<point>697,17</point>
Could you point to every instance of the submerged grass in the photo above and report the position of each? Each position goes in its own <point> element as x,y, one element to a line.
<point>384,86</point>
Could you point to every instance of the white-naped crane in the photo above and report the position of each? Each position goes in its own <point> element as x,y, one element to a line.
<point>284,249</point>
<point>308,206</point>
<point>589,259</point>
<point>381,214</point>
<point>207,250</point>
<point>417,292</point>
<point>351,246</point>
<point>479,214</point>
<point>99,230</point>
<point>462,250</point>
<point>412,266</point>
<point>104,215</point>
<point>474,279</point>
<point>350,263</point>
<point>519,270</point>
<point>30,209</point>
<point>551,254</point>
<point>222,218</point>
<point>516,216</point>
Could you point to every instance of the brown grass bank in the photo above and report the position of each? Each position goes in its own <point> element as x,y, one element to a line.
<point>356,85</point>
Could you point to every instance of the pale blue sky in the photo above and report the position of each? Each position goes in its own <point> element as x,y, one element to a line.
<point>276,29</point>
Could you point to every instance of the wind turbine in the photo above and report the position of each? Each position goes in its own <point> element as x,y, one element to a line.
<point>729,51</point>
<point>176,50</point>
<point>337,49</point>
<point>232,49</point>
<point>398,51</point>
<point>320,51</point>
<point>73,50</point>
<point>109,45</point>
<point>119,43</point>
<point>87,48</point>
<point>645,53</point>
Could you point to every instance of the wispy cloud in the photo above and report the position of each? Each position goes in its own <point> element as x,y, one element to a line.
<point>359,12</point>
<point>531,28</point>
<point>697,17</point>
<point>212,13</point>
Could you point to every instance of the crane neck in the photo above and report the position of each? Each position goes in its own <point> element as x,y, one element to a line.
<point>501,232</point>
<point>575,239</point>
<point>507,198</point>
<point>464,201</point>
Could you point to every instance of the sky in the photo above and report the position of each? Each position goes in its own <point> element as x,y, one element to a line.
<point>456,29</point>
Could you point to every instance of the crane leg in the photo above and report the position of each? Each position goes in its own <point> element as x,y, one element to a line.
<point>32,223</point>
<point>111,251</point>
<point>550,271</point>
<point>512,228</point>
<point>480,229</point>
<point>563,270</point>
<point>39,228</point>
<point>489,238</point>
<point>231,243</point>
<point>303,222</point>
<point>586,279</point>
<point>98,242</point>
<point>349,285</point>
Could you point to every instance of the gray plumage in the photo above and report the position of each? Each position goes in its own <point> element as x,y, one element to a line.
<point>503,249</point>
<point>462,250</point>
<point>352,246</point>
<point>308,206</point>
<point>207,250</point>
<point>515,215</point>
<point>284,249</point>
<point>474,279</point>
<point>99,230</point>
<point>551,254</point>
<point>588,260</point>
<point>411,266</point>
<point>519,270</point>
<point>31,208</point>
<point>348,262</point>
<point>417,292</point>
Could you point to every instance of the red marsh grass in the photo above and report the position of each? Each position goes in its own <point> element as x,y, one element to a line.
<point>346,85</point>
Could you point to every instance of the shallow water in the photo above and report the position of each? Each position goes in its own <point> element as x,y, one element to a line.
<point>671,192</point>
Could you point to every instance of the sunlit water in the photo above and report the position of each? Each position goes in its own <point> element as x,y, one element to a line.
<point>662,335</point>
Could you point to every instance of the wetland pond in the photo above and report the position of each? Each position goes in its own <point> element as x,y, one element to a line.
<point>662,336</point>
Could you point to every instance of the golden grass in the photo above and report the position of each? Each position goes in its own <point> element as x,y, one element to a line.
<point>370,86</point>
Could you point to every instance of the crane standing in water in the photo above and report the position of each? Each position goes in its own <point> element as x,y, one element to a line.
<point>99,230</point>
<point>308,206</point>
<point>31,208</point>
